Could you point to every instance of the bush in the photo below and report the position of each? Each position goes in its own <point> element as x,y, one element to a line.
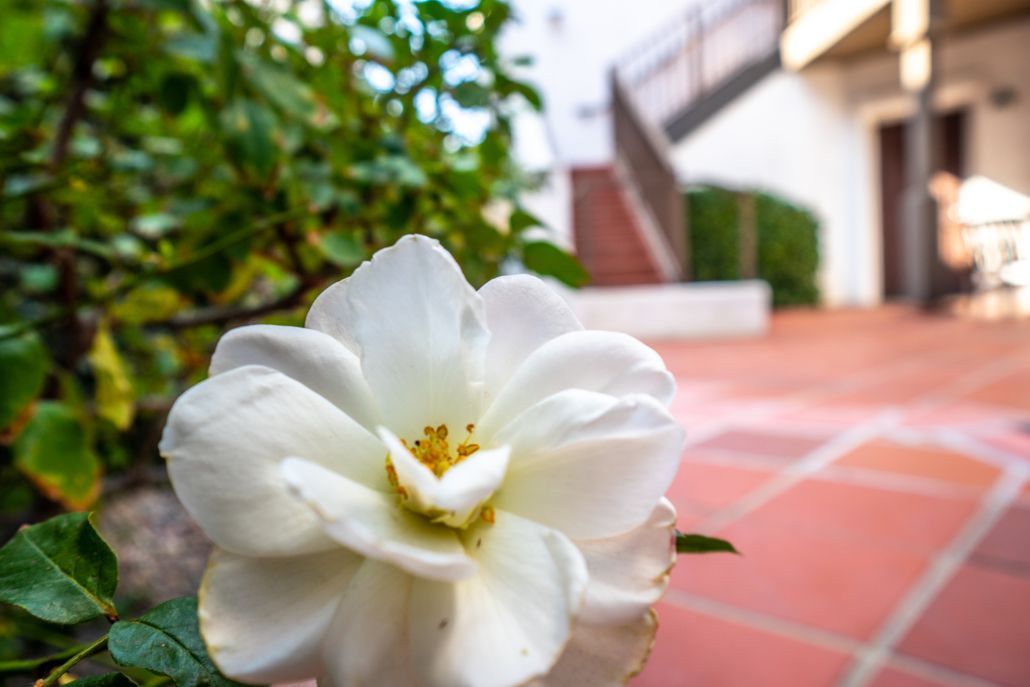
<point>786,235</point>
<point>170,169</point>
<point>788,250</point>
<point>714,239</point>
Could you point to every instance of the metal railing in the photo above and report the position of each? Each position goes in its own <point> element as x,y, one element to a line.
<point>697,53</point>
<point>664,78</point>
<point>642,159</point>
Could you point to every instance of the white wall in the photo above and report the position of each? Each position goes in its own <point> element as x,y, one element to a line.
<point>812,138</point>
<point>574,43</point>
<point>787,135</point>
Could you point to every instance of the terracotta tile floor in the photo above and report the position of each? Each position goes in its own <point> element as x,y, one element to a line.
<point>873,468</point>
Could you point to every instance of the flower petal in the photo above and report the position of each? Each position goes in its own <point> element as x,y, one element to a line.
<point>373,524</point>
<point>316,360</point>
<point>603,655</point>
<point>472,481</point>
<point>368,642</point>
<point>588,464</point>
<point>419,481</point>
<point>452,498</point>
<point>607,362</point>
<point>506,625</point>
<point>629,572</point>
<point>264,619</point>
<point>419,329</point>
<point>224,441</point>
<point>522,313</point>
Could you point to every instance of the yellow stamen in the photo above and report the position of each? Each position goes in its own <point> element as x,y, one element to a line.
<point>434,451</point>
<point>488,515</point>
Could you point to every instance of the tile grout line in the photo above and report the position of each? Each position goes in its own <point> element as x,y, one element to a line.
<point>808,634</point>
<point>876,653</point>
<point>797,471</point>
<point>822,391</point>
<point>973,446</point>
<point>968,383</point>
<point>813,394</point>
<point>1005,491</point>
<point>932,671</point>
<point>854,476</point>
<point>791,629</point>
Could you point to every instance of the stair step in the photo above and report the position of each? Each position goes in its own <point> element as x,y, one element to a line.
<point>609,239</point>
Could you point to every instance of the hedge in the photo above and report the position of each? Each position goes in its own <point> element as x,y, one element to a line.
<point>787,242</point>
<point>714,239</point>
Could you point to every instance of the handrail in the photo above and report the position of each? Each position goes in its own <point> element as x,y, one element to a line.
<point>642,156</point>
<point>654,85</point>
<point>693,55</point>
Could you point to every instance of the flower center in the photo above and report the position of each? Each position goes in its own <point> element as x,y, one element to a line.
<point>434,451</point>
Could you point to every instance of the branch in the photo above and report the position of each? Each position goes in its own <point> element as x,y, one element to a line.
<point>225,315</point>
<point>64,258</point>
<point>289,240</point>
<point>94,648</point>
<point>82,80</point>
<point>28,665</point>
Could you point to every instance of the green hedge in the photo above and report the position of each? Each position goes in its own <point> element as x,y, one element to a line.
<point>788,250</point>
<point>787,237</point>
<point>714,240</point>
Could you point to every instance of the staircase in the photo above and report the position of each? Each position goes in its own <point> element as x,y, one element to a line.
<point>609,238</point>
<point>629,218</point>
<point>696,65</point>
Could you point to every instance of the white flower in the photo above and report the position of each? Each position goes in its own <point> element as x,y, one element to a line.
<point>429,485</point>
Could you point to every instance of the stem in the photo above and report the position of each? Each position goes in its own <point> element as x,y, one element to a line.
<point>207,251</point>
<point>27,665</point>
<point>82,80</point>
<point>90,649</point>
<point>224,315</point>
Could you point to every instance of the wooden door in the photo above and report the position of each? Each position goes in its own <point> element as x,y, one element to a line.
<point>950,132</point>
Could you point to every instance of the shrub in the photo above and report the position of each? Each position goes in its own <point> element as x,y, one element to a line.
<point>786,235</point>
<point>714,239</point>
<point>788,250</point>
<point>169,169</point>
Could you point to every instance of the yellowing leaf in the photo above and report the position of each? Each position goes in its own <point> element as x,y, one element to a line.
<point>114,396</point>
<point>148,303</point>
<point>53,452</point>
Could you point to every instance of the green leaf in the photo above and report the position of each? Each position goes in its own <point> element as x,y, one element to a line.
<point>23,364</point>
<point>472,94</point>
<point>60,571</point>
<point>699,543</point>
<point>521,220</point>
<point>167,641</point>
<point>279,86</point>
<point>52,451</point>
<point>248,130</point>
<point>108,680</point>
<point>114,394</point>
<point>507,86</point>
<point>192,46</point>
<point>175,91</point>
<point>548,259</point>
<point>531,95</point>
<point>343,248</point>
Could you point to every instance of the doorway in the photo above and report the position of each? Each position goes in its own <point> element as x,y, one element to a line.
<point>951,144</point>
